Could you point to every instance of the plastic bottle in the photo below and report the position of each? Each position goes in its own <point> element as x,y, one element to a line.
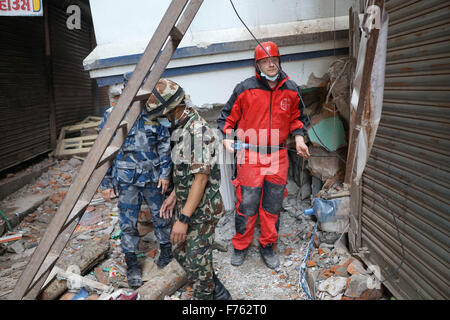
<point>331,214</point>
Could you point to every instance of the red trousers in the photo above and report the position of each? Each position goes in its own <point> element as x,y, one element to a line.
<point>260,189</point>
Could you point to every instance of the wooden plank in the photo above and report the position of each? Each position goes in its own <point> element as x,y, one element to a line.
<point>81,126</point>
<point>163,282</point>
<point>43,276</point>
<point>100,276</point>
<point>80,139</point>
<point>110,153</point>
<point>92,119</point>
<point>88,256</point>
<point>363,95</point>
<point>87,169</point>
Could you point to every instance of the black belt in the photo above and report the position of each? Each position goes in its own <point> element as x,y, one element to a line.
<point>266,149</point>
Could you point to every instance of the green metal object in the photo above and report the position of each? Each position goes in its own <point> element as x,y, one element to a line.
<point>8,224</point>
<point>331,132</point>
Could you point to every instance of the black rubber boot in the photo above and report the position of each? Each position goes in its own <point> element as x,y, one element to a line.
<point>133,271</point>
<point>270,258</point>
<point>220,292</point>
<point>165,255</point>
<point>238,257</point>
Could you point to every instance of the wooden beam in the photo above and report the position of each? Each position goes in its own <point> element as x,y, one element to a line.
<point>363,96</point>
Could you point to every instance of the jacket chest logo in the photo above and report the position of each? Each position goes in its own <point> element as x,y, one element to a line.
<point>285,104</point>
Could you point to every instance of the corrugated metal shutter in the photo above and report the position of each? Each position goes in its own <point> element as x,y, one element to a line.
<point>408,172</point>
<point>74,91</point>
<point>24,112</point>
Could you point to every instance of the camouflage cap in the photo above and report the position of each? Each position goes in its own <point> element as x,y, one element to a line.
<point>165,97</point>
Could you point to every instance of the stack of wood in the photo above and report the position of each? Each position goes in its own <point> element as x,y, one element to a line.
<point>77,140</point>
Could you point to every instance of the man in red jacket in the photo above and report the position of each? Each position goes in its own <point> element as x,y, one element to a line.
<point>261,112</point>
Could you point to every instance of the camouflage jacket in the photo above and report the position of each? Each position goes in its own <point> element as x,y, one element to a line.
<point>195,151</point>
<point>144,156</point>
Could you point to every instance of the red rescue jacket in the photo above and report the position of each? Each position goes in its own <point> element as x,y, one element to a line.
<point>261,115</point>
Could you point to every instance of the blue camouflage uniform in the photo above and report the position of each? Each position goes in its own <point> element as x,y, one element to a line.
<point>143,159</point>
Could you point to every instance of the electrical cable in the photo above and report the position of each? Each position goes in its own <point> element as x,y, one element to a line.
<point>305,260</point>
<point>259,43</point>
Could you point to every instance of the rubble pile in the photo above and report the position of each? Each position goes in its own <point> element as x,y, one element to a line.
<point>94,249</point>
<point>98,229</point>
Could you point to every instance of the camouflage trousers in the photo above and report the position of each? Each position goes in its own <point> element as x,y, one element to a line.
<point>195,255</point>
<point>130,200</point>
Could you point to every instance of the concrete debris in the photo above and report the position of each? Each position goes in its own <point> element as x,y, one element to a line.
<point>220,245</point>
<point>76,281</point>
<point>333,285</point>
<point>340,78</point>
<point>357,285</point>
<point>16,247</point>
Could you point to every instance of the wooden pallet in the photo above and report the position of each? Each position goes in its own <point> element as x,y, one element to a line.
<point>81,145</point>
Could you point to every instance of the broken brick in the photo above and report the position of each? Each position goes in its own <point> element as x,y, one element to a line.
<point>288,251</point>
<point>346,263</point>
<point>30,217</point>
<point>311,263</point>
<point>55,198</point>
<point>282,276</point>
<point>285,235</point>
<point>339,270</point>
<point>152,253</point>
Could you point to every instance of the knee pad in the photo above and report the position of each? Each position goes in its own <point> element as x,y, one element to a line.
<point>250,199</point>
<point>240,223</point>
<point>272,198</point>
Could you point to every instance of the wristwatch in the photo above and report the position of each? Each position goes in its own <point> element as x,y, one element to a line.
<point>184,218</point>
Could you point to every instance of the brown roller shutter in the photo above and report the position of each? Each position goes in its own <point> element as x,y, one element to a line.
<point>24,112</point>
<point>408,173</point>
<point>74,91</point>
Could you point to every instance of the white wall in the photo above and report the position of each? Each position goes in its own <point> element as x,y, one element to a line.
<point>132,20</point>
<point>206,88</point>
<point>124,28</point>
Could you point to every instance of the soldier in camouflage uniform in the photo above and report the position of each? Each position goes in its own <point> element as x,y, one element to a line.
<point>199,206</point>
<point>141,171</point>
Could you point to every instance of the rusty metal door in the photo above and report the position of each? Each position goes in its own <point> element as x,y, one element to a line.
<point>24,97</point>
<point>405,193</point>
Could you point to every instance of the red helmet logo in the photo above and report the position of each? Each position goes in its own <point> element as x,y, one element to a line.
<point>270,47</point>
